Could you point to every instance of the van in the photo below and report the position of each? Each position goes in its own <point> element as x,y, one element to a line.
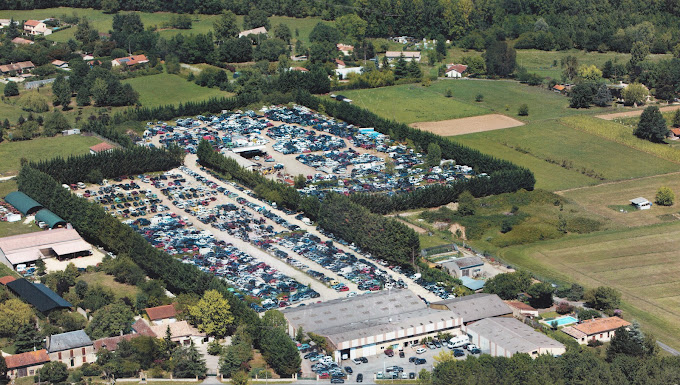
<point>459,341</point>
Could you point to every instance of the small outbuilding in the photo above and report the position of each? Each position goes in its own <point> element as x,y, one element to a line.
<point>641,203</point>
<point>51,219</point>
<point>22,202</point>
<point>101,147</point>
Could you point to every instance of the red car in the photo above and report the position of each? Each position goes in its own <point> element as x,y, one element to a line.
<point>344,288</point>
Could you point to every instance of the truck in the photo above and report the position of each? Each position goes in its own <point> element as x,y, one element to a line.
<point>459,341</point>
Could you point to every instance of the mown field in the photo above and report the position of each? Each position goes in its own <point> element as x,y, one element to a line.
<point>161,89</point>
<point>11,153</point>
<point>642,263</point>
<point>201,23</point>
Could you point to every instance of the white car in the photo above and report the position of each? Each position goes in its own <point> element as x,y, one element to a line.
<point>356,361</point>
<point>471,346</point>
<point>421,350</point>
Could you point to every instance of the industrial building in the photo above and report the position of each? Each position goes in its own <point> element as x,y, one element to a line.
<point>25,249</point>
<point>504,336</point>
<point>368,324</point>
<point>475,307</point>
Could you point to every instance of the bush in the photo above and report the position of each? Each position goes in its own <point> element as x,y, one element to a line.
<point>585,314</point>
<point>91,370</point>
<point>449,93</point>
<point>479,98</point>
<point>11,89</point>
<point>594,343</point>
<point>564,308</point>
<point>523,110</point>
<point>665,196</point>
<point>215,348</point>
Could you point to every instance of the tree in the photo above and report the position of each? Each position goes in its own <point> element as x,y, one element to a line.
<point>602,298</point>
<point>188,362</point>
<point>270,50</point>
<point>541,295</point>
<point>570,67</point>
<point>626,342</point>
<point>665,196</point>
<point>225,26</point>
<point>324,33</point>
<point>589,73</point>
<point>34,102</point>
<point>581,95</point>
<point>235,358</point>
<point>55,123</point>
<point>99,92</point>
<point>401,68</point>
<point>62,92</point>
<point>466,204</point>
<point>27,339</point>
<point>110,321</point>
<point>14,314</point>
<point>280,351</point>
<point>212,314</point>
<point>414,71</point>
<point>675,122</point>
<point>256,18</point>
<point>11,89</point>
<point>281,31</point>
<point>434,155</point>
<point>638,53</point>
<point>500,59</point>
<point>54,372</point>
<point>476,65</point>
<point>523,110</point>
<point>652,125</point>
<point>587,314</point>
<point>603,97</point>
<point>352,27</point>
<point>110,6</point>
<point>508,285</point>
<point>240,378</point>
<point>634,93</point>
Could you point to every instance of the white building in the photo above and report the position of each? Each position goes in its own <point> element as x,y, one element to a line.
<point>408,55</point>
<point>504,336</point>
<point>342,73</point>
<point>641,203</point>
<point>455,70</point>
<point>254,31</point>
<point>36,27</point>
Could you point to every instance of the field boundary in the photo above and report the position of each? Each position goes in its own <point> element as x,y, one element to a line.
<point>628,114</point>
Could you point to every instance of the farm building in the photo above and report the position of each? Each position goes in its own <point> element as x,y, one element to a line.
<point>50,219</point>
<point>502,336</point>
<point>254,31</point>
<point>101,147</point>
<point>600,329</point>
<point>464,267</point>
<point>641,203</point>
<point>26,364</point>
<point>27,248</point>
<point>408,55</point>
<point>22,202</point>
<point>455,70</point>
<point>72,348</point>
<point>38,295</point>
<point>368,324</point>
<point>475,307</point>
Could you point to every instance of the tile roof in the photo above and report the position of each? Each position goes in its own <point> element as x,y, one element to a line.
<point>345,47</point>
<point>21,40</point>
<point>520,305</point>
<point>143,328</point>
<point>675,131</point>
<point>7,279</point>
<point>460,68</point>
<point>161,312</point>
<point>27,359</point>
<point>111,343</point>
<point>559,87</point>
<point>20,66</point>
<point>132,60</point>
<point>32,23</point>
<point>601,325</point>
<point>58,62</point>
<point>103,146</point>
<point>66,341</point>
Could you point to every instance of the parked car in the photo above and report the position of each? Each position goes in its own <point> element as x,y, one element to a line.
<point>420,361</point>
<point>421,350</point>
<point>349,370</point>
<point>475,351</point>
<point>357,361</point>
<point>401,354</point>
<point>360,377</point>
<point>412,375</point>
<point>337,381</point>
<point>458,352</point>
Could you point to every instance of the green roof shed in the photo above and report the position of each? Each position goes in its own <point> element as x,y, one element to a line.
<point>52,219</point>
<point>22,202</point>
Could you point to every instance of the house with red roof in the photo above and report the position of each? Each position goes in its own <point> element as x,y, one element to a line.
<point>345,49</point>
<point>21,41</point>
<point>160,315</point>
<point>26,364</point>
<point>129,61</point>
<point>600,329</point>
<point>36,27</point>
<point>455,70</point>
<point>101,147</point>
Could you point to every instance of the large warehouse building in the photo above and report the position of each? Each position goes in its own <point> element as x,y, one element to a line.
<point>503,336</point>
<point>26,249</point>
<point>368,324</point>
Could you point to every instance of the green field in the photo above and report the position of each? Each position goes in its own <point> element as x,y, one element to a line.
<point>413,103</point>
<point>42,148</point>
<point>161,89</point>
<point>642,263</point>
<point>201,23</point>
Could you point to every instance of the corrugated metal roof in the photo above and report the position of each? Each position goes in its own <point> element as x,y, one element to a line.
<point>22,202</point>
<point>473,284</point>
<point>476,306</point>
<point>512,335</point>
<point>38,295</point>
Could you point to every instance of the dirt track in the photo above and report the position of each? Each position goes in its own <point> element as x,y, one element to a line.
<point>468,125</point>
<point>628,114</point>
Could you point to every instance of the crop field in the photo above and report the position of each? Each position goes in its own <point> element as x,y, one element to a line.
<point>411,103</point>
<point>102,22</point>
<point>562,157</point>
<point>469,125</point>
<point>607,200</point>
<point>42,148</point>
<point>161,89</point>
<point>642,263</point>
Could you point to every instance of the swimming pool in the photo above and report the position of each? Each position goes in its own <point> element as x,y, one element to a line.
<point>561,321</point>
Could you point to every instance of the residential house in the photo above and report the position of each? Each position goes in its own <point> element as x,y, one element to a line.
<point>36,27</point>
<point>559,88</point>
<point>521,309</point>
<point>675,133</point>
<point>346,49</point>
<point>19,68</point>
<point>7,22</point>
<point>598,329</point>
<point>60,64</point>
<point>129,61</point>
<point>26,364</point>
<point>181,332</point>
<point>254,31</point>
<point>455,70</point>
<point>21,41</point>
<point>161,315</point>
<point>72,348</point>
<point>504,337</point>
<point>472,266</point>
<point>301,69</point>
<point>86,56</point>
<point>408,55</point>
<point>101,147</point>
<point>341,64</point>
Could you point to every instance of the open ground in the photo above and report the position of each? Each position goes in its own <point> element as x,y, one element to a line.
<point>162,89</point>
<point>469,125</point>
<point>629,114</point>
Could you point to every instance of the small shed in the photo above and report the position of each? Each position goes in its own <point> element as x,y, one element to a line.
<point>22,202</point>
<point>51,219</point>
<point>641,203</point>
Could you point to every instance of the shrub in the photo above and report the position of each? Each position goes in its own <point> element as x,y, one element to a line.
<point>215,348</point>
<point>564,308</point>
<point>479,98</point>
<point>449,93</point>
<point>523,110</point>
<point>585,314</point>
<point>594,343</point>
<point>11,89</point>
<point>665,196</point>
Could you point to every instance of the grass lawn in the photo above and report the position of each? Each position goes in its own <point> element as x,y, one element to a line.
<point>161,89</point>
<point>642,263</point>
<point>42,148</point>
<point>119,289</point>
<point>410,103</point>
